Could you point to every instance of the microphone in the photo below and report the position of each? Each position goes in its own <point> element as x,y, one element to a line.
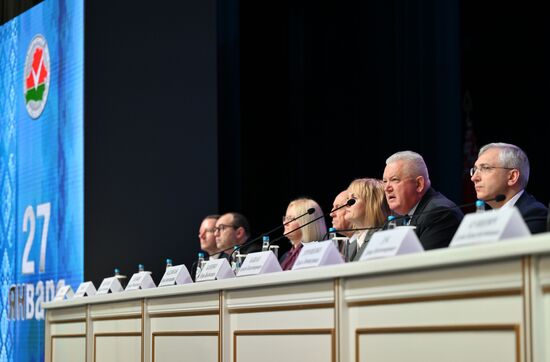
<point>309,211</point>
<point>348,203</point>
<point>498,198</point>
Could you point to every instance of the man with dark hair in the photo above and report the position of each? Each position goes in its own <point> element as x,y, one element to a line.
<point>233,229</point>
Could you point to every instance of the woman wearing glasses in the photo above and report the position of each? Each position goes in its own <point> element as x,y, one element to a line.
<point>297,231</point>
<point>367,214</point>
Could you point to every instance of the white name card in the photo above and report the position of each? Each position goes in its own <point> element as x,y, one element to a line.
<point>215,269</point>
<point>141,280</point>
<point>177,274</point>
<point>316,254</point>
<point>259,263</point>
<point>85,289</point>
<point>388,243</point>
<point>65,292</point>
<point>109,285</point>
<point>490,226</point>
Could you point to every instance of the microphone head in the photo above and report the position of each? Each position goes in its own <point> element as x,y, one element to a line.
<point>500,198</point>
<point>311,210</point>
<point>350,202</point>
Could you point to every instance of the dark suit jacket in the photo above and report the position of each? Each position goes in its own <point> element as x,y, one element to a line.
<point>534,213</point>
<point>436,219</point>
<point>355,253</point>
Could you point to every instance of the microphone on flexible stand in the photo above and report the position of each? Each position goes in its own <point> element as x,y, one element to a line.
<point>498,198</point>
<point>309,211</point>
<point>348,203</point>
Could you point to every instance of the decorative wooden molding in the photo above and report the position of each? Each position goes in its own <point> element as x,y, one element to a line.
<point>443,328</point>
<point>282,332</point>
<point>435,298</point>
<point>62,321</point>
<point>114,334</point>
<point>66,336</point>
<point>184,334</point>
<point>117,317</point>
<point>279,308</point>
<point>190,313</point>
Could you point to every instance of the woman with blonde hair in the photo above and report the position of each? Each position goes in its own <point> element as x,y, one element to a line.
<point>311,232</point>
<point>369,213</point>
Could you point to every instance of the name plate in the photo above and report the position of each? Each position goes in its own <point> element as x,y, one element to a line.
<point>259,263</point>
<point>109,285</point>
<point>215,269</point>
<point>141,280</point>
<point>490,226</point>
<point>177,274</point>
<point>319,253</point>
<point>85,289</point>
<point>388,243</point>
<point>65,292</point>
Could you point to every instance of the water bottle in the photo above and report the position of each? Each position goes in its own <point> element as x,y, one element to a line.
<point>392,223</point>
<point>480,206</point>
<point>200,262</point>
<point>331,233</point>
<point>121,278</point>
<point>265,243</point>
<point>236,262</point>
<point>168,263</point>
<point>141,268</point>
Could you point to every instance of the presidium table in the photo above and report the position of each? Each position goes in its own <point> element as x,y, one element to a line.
<point>485,303</point>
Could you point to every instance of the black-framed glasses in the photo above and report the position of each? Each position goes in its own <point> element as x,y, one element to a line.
<point>483,169</point>
<point>222,227</point>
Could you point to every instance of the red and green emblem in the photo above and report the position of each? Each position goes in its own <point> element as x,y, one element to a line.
<point>37,76</point>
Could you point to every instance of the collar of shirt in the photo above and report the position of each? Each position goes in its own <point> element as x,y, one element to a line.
<point>361,238</point>
<point>512,202</point>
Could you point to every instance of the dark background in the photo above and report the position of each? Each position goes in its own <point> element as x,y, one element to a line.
<point>200,107</point>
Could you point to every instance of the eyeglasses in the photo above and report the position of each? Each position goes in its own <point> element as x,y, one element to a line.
<point>288,218</point>
<point>222,227</point>
<point>483,169</point>
<point>212,230</point>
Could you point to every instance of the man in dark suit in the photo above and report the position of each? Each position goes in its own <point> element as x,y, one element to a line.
<point>503,168</point>
<point>409,193</point>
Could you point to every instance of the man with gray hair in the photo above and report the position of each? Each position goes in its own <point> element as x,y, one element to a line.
<point>503,169</point>
<point>409,193</point>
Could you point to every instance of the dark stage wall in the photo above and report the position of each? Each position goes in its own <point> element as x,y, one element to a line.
<point>200,107</point>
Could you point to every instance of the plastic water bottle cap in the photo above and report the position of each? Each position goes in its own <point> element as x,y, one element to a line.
<point>168,261</point>
<point>201,254</point>
<point>236,247</point>
<point>391,217</point>
<point>141,267</point>
<point>265,238</point>
<point>332,230</point>
<point>480,203</point>
<point>117,271</point>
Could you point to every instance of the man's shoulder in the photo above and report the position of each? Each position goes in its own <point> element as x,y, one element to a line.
<point>434,199</point>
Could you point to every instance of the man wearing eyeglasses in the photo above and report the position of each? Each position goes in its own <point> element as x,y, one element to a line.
<point>409,193</point>
<point>503,169</point>
<point>233,229</point>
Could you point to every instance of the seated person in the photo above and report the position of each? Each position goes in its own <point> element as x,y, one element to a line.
<point>312,232</point>
<point>409,193</point>
<point>503,169</point>
<point>369,212</point>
